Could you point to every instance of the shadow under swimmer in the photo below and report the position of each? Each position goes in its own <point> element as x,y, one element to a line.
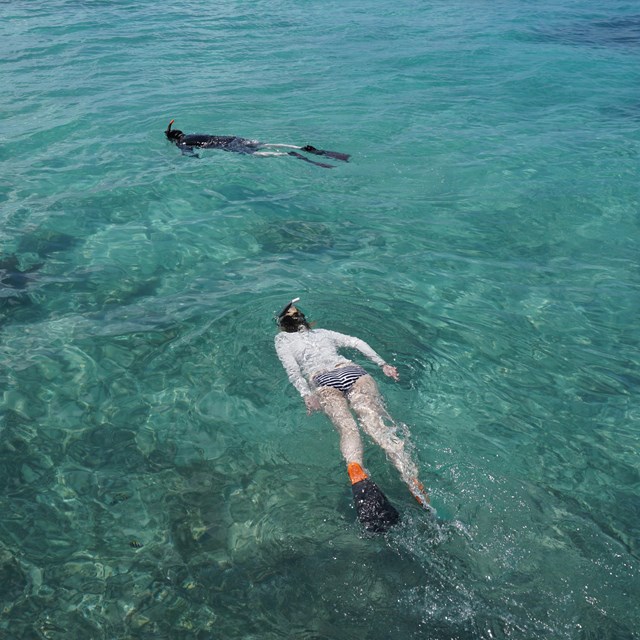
<point>188,142</point>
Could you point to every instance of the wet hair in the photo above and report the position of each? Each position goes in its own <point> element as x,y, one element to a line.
<point>291,319</point>
<point>174,134</point>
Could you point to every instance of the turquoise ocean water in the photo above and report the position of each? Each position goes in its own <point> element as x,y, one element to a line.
<point>159,476</point>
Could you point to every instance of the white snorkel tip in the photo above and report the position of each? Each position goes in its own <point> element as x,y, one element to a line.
<point>286,309</point>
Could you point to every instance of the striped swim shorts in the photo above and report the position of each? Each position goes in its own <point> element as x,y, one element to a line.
<point>342,378</point>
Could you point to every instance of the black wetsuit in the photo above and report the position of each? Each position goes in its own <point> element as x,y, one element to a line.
<point>204,141</point>
<point>188,142</point>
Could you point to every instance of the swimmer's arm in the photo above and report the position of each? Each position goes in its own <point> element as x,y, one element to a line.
<point>351,342</point>
<point>292,368</point>
<point>188,151</point>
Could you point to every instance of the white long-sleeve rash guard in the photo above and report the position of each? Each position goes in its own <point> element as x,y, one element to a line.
<point>308,352</point>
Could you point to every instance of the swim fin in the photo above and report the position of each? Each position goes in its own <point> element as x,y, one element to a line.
<point>336,155</point>
<point>295,154</point>
<point>375,512</point>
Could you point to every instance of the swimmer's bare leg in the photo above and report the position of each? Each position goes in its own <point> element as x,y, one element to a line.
<point>374,510</point>
<point>295,154</point>
<point>335,405</point>
<point>376,422</point>
<point>279,146</point>
<point>336,155</point>
<point>266,154</point>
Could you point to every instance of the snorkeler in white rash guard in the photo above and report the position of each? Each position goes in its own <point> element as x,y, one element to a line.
<point>329,382</point>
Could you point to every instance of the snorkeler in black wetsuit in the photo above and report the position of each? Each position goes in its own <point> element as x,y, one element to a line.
<point>187,142</point>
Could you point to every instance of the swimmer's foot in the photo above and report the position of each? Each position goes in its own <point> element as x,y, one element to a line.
<point>420,494</point>
<point>336,155</point>
<point>375,512</point>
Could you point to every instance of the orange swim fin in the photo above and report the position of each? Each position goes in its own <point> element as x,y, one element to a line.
<point>356,472</point>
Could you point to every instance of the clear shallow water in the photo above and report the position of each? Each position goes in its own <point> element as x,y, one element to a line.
<point>484,238</point>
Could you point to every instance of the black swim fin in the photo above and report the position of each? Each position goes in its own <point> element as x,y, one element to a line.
<point>375,512</point>
<point>336,155</point>
<point>295,154</point>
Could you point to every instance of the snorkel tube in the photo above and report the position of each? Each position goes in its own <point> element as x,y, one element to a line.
<point>173,135</point>
<point>291,319</point>
<point>287,307</point>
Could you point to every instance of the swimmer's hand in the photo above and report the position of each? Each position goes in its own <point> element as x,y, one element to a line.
<point>313,403</point>
<point>390,371</point>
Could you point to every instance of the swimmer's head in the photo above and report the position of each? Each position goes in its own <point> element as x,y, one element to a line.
<point>291,319</point>
<point>174,134</point>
